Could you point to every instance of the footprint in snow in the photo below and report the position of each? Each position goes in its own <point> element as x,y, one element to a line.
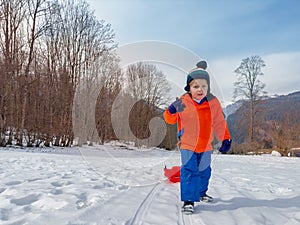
<point>104,184</point>
<point>27,200</point>
<point>4,214</point>
<point>2,190</point>
<point>57,184</point>
<point>34,179</point>
<point>60,184</point>
<point>82,201</point>
<point>56,192</point>
<point>12,183</point>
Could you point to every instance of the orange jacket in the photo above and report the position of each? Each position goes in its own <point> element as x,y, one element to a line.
<point>198,124</point>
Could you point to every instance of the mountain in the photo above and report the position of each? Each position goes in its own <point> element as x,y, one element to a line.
<point>232,108</point>
<point>276,120</point>
<point>277,107</point>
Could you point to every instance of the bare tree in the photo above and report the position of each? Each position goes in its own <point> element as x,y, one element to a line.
<point>111,79</point>
<point>249,87</point>
<point>13,14</point>
<point>148,86</point>
<point>83,49</point>
<point>35,9</point>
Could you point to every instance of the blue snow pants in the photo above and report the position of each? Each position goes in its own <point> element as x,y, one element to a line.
<point>195,173</point>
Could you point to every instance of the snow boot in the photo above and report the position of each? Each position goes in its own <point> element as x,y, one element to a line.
<point>206,198</point>
<point>188,207</point>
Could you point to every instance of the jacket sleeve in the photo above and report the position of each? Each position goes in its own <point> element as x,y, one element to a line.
<point>219,123</point>
<point>170,118</point>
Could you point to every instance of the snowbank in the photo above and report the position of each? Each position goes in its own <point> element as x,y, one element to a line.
<point>275,153</point>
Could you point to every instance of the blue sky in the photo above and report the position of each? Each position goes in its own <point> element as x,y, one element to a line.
<point>221,31</point>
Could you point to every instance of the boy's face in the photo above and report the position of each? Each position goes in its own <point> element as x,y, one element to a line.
<point>198,88</point>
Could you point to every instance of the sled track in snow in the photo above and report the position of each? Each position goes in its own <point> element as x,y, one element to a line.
<point>140,213</point>
<point>192,219</point>
<point>186,219</point>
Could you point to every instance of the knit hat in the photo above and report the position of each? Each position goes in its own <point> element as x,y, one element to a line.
<point>198,73</point>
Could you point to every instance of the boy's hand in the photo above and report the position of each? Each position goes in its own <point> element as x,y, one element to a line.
<point>225,147</point>
<point>177,106</point>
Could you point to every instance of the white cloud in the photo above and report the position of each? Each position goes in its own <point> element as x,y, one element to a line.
<point>281,73</point>
<point>222,71</point>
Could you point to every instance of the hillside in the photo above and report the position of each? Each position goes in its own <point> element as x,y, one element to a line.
<point>277,107</point>
<point>232,108</point>
<point>276,121</point>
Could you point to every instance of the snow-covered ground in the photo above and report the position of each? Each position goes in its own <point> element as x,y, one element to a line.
<point>112,184</point>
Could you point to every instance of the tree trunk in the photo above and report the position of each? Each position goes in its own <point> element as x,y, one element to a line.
<point>251,125</point>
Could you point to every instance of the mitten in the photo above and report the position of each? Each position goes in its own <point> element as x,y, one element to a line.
<point>177,106</point>
<point>225,147</point>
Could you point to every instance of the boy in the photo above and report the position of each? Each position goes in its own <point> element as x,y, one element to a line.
<point>198,115</point>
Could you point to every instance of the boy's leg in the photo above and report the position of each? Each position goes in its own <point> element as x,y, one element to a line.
<point>205,172</point>
<point>189,176</point>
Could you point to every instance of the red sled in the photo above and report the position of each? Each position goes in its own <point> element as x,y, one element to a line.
<point>173,174</point>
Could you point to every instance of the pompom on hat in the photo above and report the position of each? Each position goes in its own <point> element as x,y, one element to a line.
<point>198,73</point>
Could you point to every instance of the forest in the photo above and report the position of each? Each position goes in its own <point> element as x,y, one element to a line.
<point>57,58</point>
